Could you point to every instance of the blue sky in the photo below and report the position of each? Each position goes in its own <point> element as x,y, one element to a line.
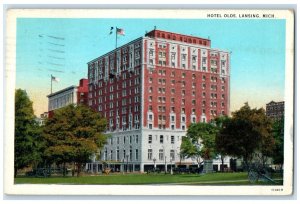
<point>62,47</point>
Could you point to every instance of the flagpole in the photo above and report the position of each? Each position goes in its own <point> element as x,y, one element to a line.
<point>51,83</point>
<point>116,38</point>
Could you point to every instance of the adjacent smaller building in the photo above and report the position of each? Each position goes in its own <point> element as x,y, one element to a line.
<point>275,110</point>
<point>42,118</point>
<point>70,95</point>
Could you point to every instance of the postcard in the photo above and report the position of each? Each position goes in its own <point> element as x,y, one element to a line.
<point>149,102</point>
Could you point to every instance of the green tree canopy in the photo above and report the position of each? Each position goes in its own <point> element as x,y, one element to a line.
<point>73,134</point>
<point>200,141</point>
<point>278,133</point>
<point>246,133</point>
<point>27,132</point>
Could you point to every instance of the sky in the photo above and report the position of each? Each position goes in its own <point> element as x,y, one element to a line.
<point>62,48</point>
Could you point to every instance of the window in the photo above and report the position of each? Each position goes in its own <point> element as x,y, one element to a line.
<point>172,155</point>
<point>151,52</point>
<point>194,85</point>
<point>150,117</point>
<point>173,109</point>
<point>118,153</point>
<point>183,127</point>
<point>130,154</point>
<point>149,139</point>
<point>136,139</point>
<point>136,154</point>
<point>124,153</point>
<point>172,127</point>
<point>182,110</point>
<point>149,154</point>
<point>172,139</point>
<point>183,75</point>
<point>172,118</point>
<point>161,154</point>
<point>161,139</point>
<point>182,119</point>
<point>150,126</point>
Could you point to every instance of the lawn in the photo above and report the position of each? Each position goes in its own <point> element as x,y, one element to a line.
<point>132,179</point>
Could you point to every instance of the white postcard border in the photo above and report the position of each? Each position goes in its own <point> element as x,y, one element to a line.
<point>10,79</point>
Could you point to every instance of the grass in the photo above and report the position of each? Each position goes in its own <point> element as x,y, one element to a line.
<point>136,179</point>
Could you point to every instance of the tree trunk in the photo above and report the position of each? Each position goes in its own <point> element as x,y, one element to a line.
<point>64,169</point>
<point>73,169</point>
<point>78,169</point>
<point>222,166</point>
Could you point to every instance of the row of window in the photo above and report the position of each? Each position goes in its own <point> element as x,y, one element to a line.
<point>162,72</point>
<point>125,110</point>
<point>172,118</point>
<point>161,155</point>
<point>172,126</point>
<point>172,108</point>
<point>162,99</point>
<point>183,84</point>
<point>99,74</point>
<point>129,139</point>
<point>133,99</point>
<point>120,155</point>
<point>183,92</point>
<point>162,138</point>
<point>194,64</point>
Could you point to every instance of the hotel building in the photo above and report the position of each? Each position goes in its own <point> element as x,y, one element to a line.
<point>150,90</point>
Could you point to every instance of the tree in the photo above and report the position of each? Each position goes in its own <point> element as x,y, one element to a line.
<point>246,133</point>
<point>190,150</point>
<point>278,133</point>
<point>27,133</point>
<point>200,141</point>
<point>220,143</point>
<point>74,134</point>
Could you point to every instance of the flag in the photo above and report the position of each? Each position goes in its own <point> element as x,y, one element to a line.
<point>111,30</point>
<point>120,31</point>
<point>53,78</point>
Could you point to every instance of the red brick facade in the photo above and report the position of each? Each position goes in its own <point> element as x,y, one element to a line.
<point>82,92</point>
<point>163,74</point>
